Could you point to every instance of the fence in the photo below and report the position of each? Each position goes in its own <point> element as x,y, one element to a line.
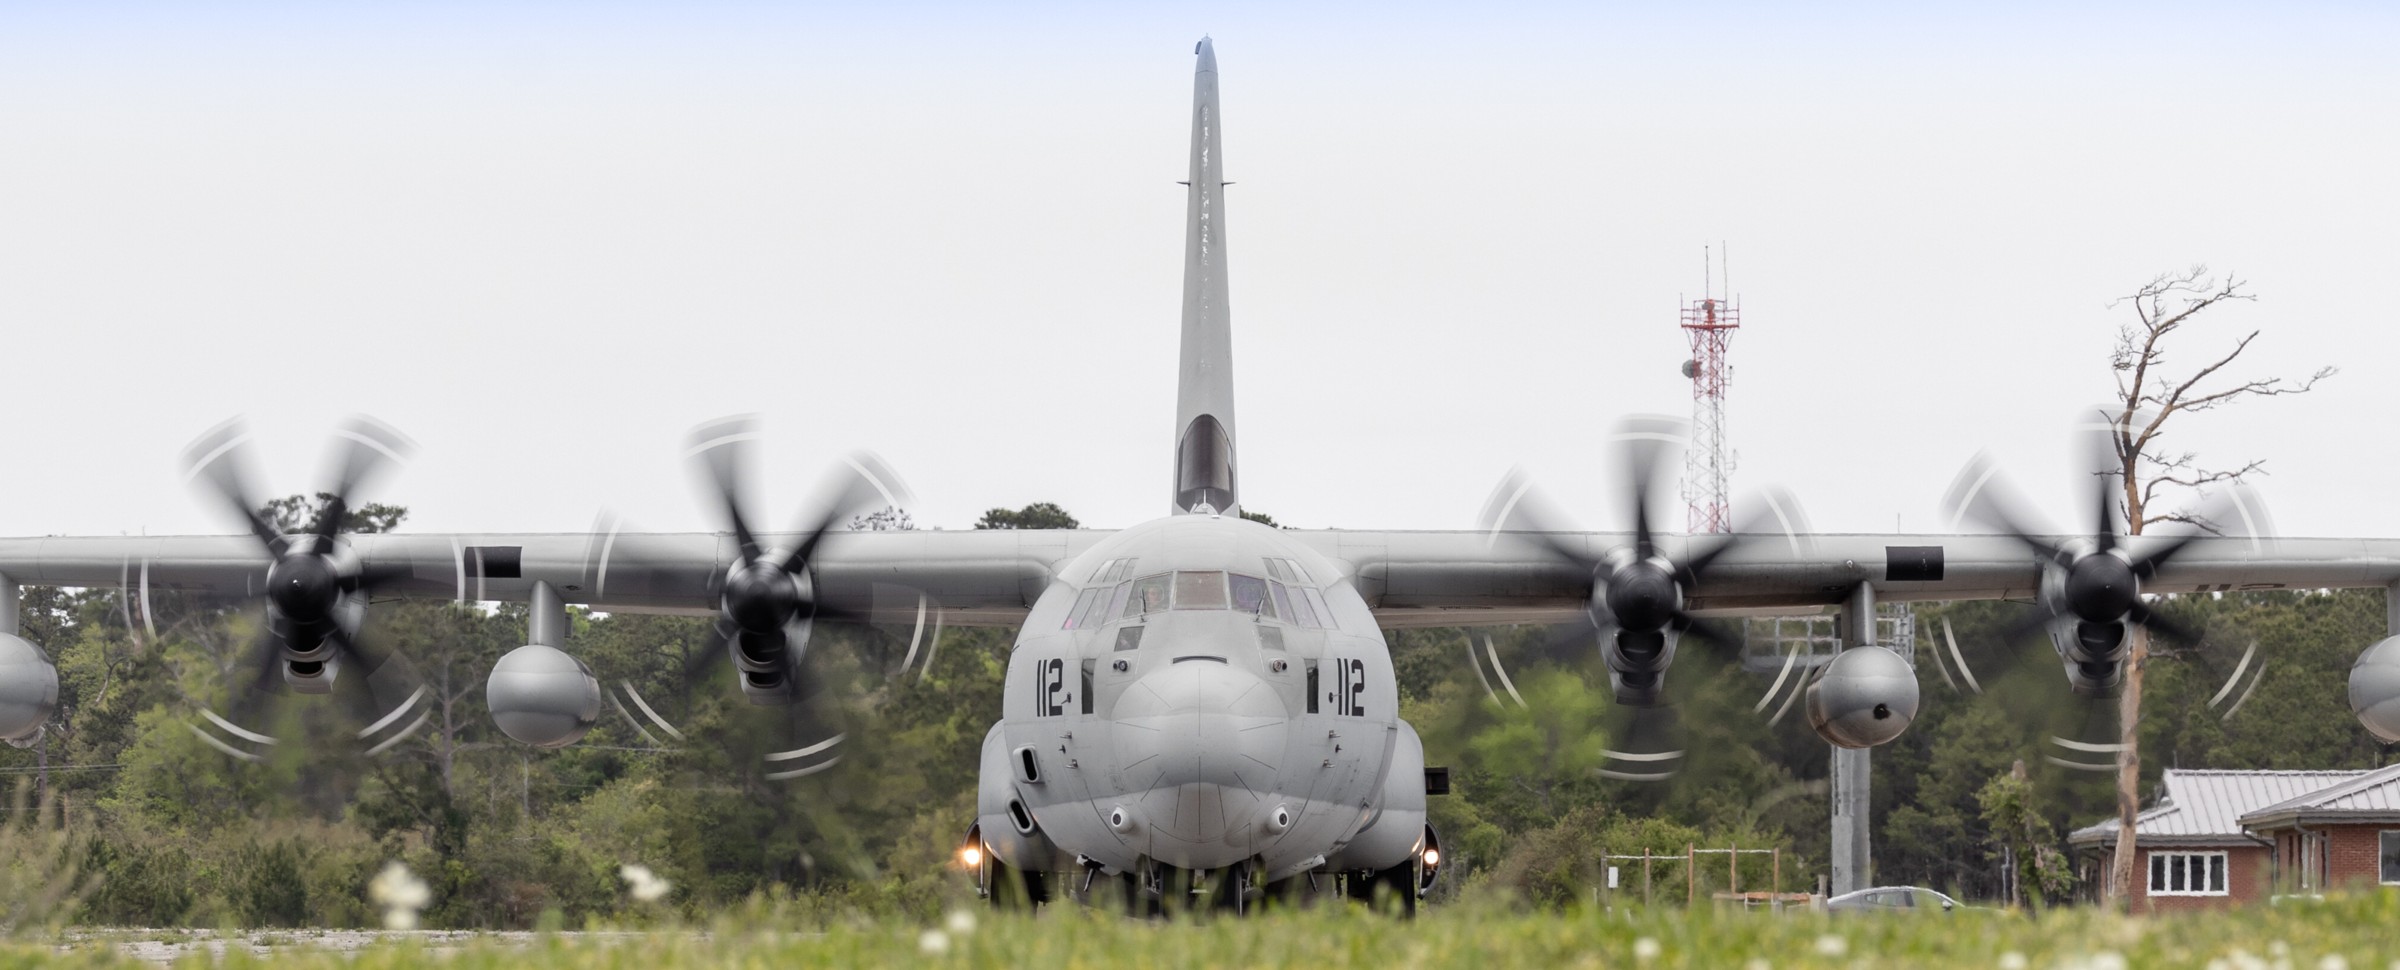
<point>1774,897</point>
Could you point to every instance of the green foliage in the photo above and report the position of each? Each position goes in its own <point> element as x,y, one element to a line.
<point>156,828</point>
<point>40,877</point>
<point>2013,814</point>
<point>1039,515</point>
<point>299,513</point>
<point>1261,518</point>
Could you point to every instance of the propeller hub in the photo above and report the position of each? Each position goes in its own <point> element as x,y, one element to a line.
<point>1642,596</point>
<point>761,598</point>
<point>303,587</point>
<point>2101,588</point>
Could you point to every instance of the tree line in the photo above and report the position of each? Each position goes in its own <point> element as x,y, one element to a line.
<point>157,829</point>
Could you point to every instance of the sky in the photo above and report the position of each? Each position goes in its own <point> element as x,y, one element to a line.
<point>547,239</point>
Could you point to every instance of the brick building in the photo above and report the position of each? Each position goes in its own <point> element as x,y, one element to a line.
<point>2341,836</point>
<point>2193,850</point>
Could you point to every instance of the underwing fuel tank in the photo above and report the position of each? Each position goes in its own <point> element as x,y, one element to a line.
<point>1865,697</point>
<point>28,690</point>
<point>542,696</point>
<point>2375,689</point>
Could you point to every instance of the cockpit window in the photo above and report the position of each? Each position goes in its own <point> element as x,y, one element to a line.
<point>1096,613</point>
<point>1116,604</point>
<point>1149,596</point>
<point>1083,604</point>
<point>1283,602</point>
<point>1287,570</point>
<point>1250,596</point>
<point>1200,590</point>
<point>1301,614</point>
<point>1316,603</point>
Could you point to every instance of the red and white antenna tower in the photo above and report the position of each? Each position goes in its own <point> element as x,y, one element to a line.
<point>1709,323</point>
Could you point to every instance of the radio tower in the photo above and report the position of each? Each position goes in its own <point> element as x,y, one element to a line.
<point>1710,324</point>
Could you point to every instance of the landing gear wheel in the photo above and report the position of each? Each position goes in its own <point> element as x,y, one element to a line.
<point>1372,887</point>
<point>1012,888</point>
<point>1142,899</point>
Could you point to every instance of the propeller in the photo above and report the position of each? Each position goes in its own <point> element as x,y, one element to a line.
<point>768,605</point>
<point>1638,590</point>
<point>315,591</point>
<point>2094,581</point>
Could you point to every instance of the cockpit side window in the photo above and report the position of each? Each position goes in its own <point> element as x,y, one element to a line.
<point>1302,615</point>
<point>1283,602</point>
<point>1097,612</point>
<point>1200,590</point>
<point>1083,604</point>
<point>1250,596</point>
<point>1116,604</point>
<point>1316,603</point>
<point>1149,596</point>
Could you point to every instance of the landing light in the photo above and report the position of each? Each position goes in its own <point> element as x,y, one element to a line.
<point>971,857</point>
<point>1433,857</point>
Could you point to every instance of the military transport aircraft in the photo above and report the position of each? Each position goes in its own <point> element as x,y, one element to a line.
<point>1196,700</point>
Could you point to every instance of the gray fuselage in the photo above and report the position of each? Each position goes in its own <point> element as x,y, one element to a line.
<point>1201,692</point>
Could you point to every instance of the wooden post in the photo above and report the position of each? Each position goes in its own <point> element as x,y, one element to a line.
<point>1645,875</point>
<point>1691,875</point>
<point>1733,870</point>
<point>1775,878</point>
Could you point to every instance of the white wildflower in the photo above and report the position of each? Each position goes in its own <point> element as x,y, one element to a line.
<point>1645,948</point>
<point>401,894</point>
<point>961,922</point>
<point>1758,963</point>
<point>2012,960</point>
<point>644,885</point>
<point>2333,961</point>
<point>933,943</point>
<point>1830,945</point>
<point>2106,960</point>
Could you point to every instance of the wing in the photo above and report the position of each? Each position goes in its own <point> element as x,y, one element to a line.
<point>1418,579</point>
<point>978,577</point>
<point>1410,579</point>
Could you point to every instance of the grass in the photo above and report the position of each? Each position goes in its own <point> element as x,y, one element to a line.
<point>2354,933</point>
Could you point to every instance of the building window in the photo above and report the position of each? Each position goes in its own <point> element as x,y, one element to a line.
<point>2187,874</point>
<point>2391,857</point>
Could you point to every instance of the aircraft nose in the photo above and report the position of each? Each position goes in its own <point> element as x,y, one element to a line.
<point>1201,743</point>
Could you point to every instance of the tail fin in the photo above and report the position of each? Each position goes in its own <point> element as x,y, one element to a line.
<point>1204,466</point>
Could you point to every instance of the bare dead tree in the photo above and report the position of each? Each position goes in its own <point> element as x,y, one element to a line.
<point>2147,397</point>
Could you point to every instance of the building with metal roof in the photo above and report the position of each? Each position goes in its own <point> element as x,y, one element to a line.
<point>2216,837</point>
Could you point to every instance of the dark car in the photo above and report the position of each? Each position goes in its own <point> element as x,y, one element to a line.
<point>1892,899</point>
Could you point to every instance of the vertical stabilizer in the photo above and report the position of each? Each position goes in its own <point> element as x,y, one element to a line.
<point>1204,466</point>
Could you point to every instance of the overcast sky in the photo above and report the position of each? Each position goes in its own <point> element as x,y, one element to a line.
<point>547,239</point>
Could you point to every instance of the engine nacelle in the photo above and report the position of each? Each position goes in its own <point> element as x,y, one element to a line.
<point>2375,689</point>
<point>28,690</point>
<point>1637,664</point>
<point>541,696</point>
<point>2093,653</point>
<point>759,660</point>
<point>311,676</point>
<point>1865,697</point>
